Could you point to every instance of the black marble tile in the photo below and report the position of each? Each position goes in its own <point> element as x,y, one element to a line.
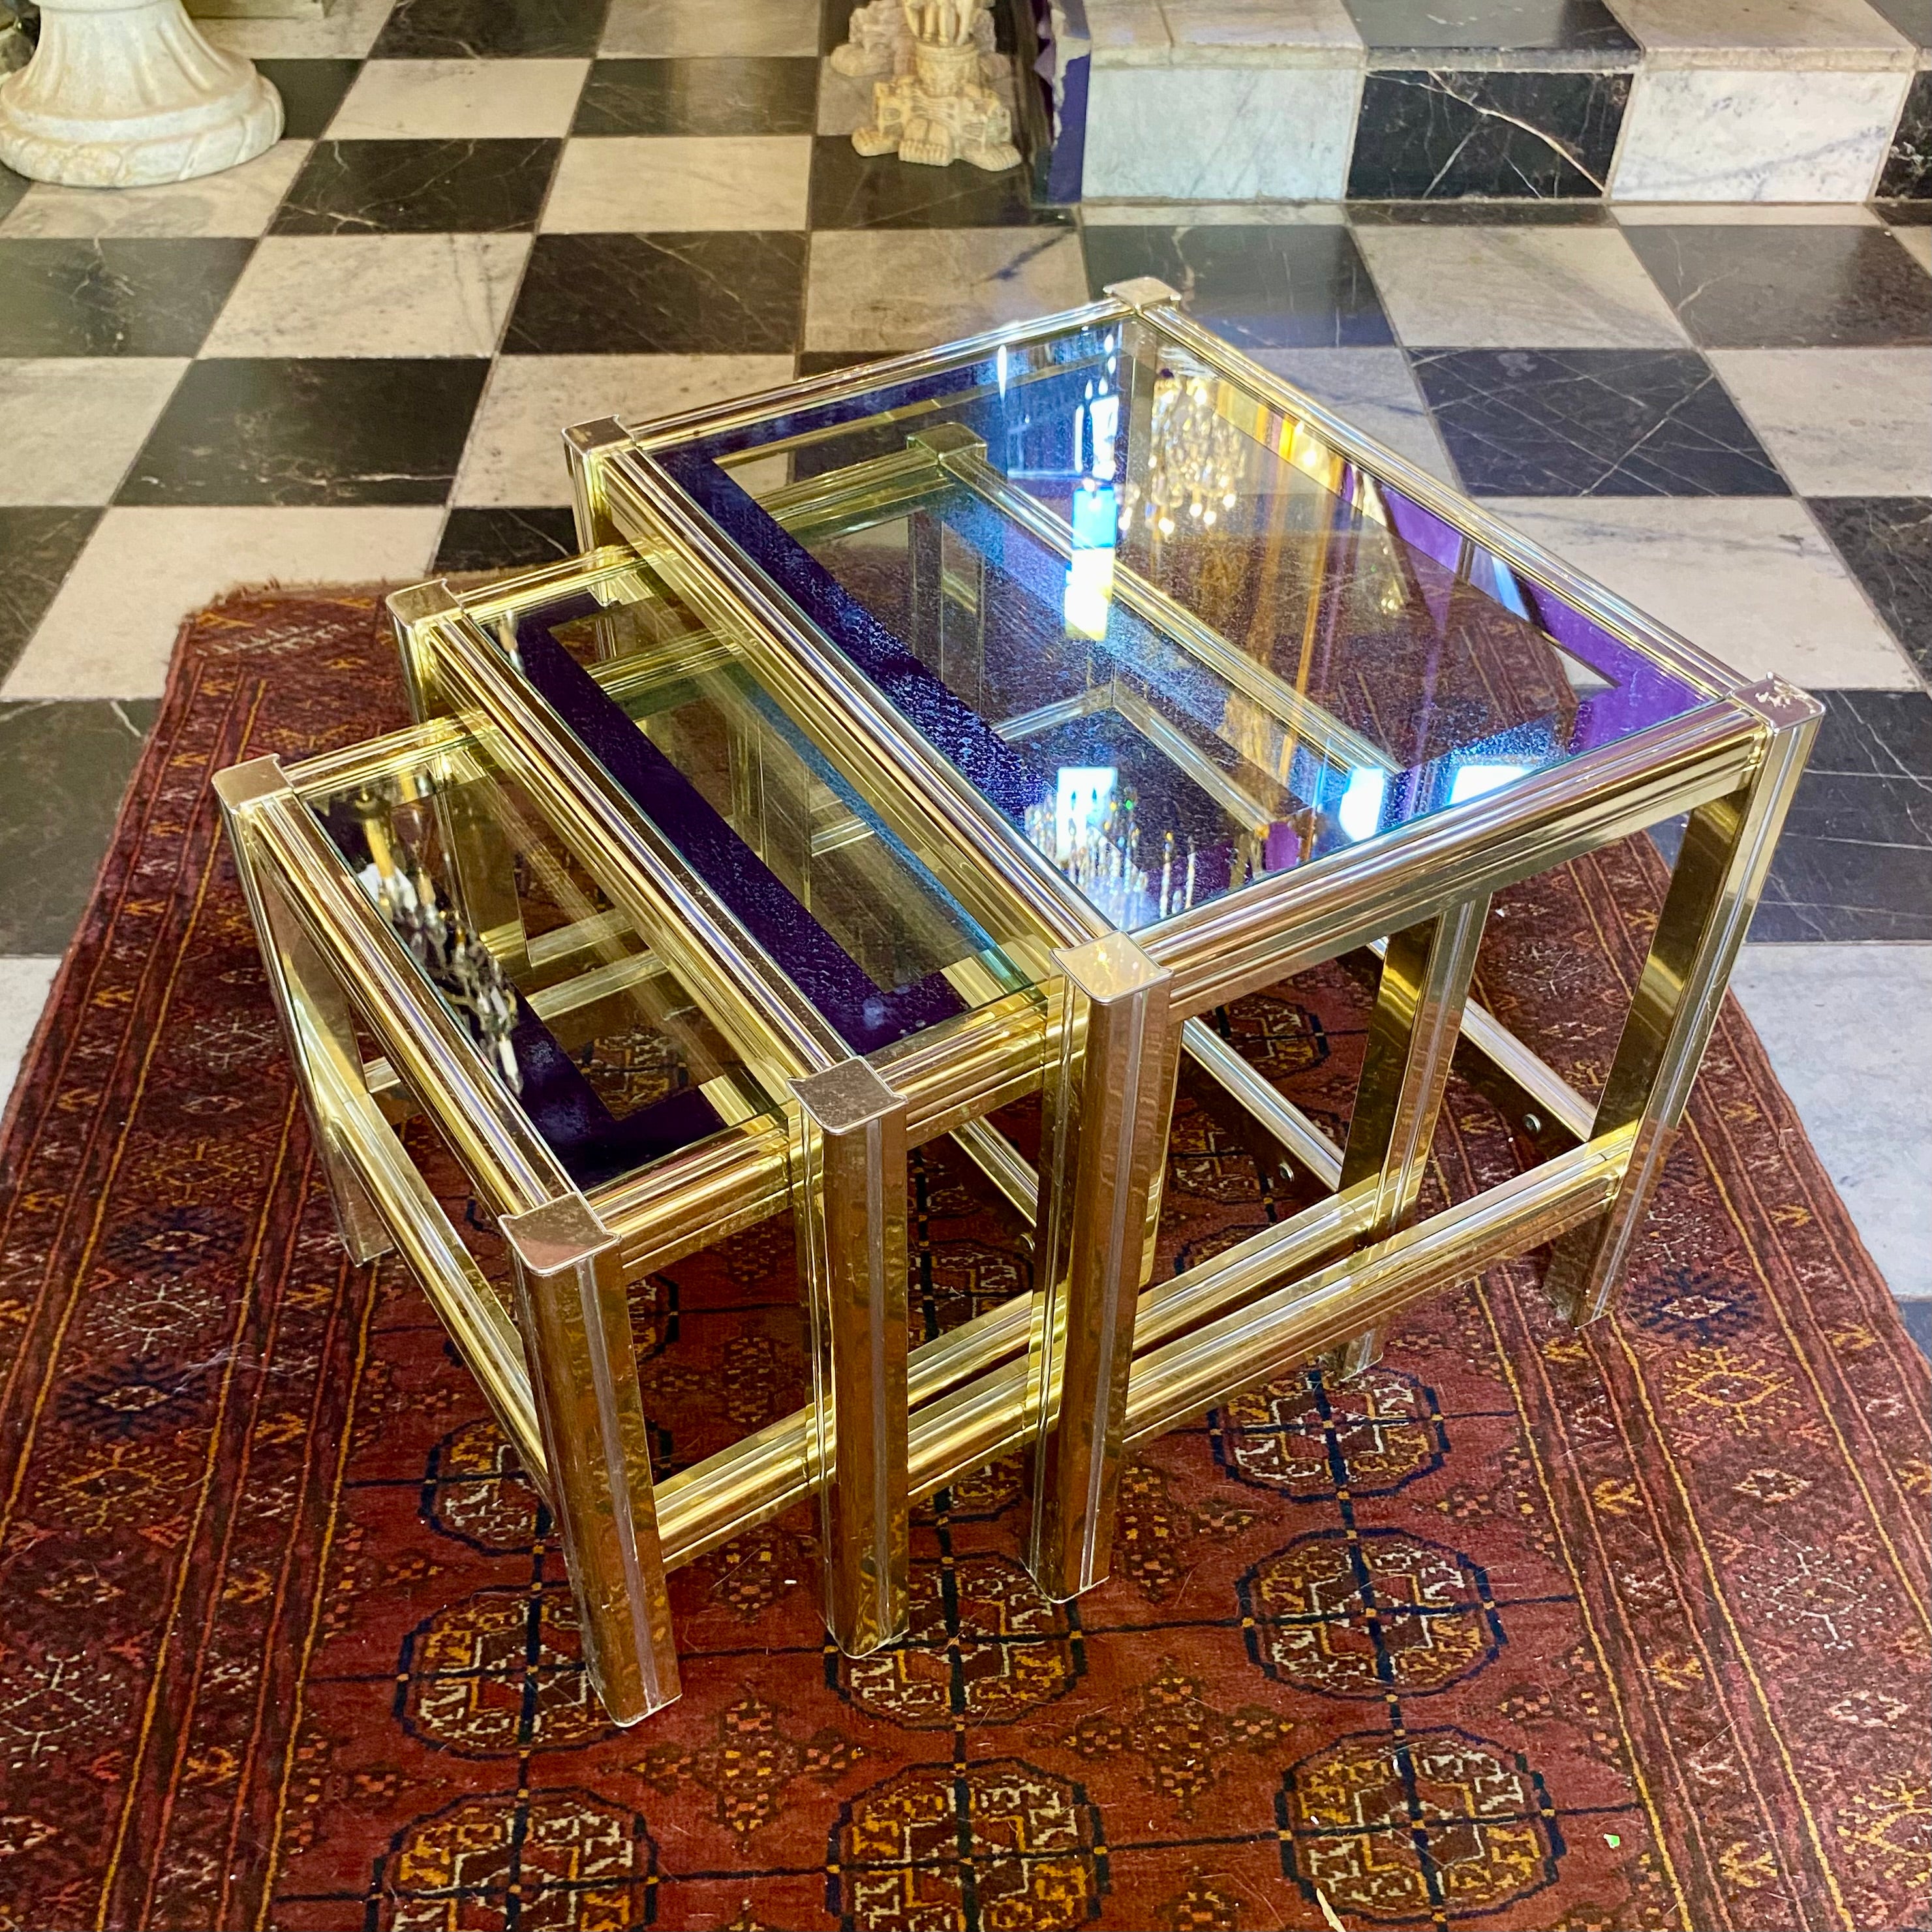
<point>1915,1311</point>
<point>1855,859</point>
<point>114,297</point>
<point>1486,213</point>
<point>1904,214</point>
<point>501,539</point>
<point>1261,287</point>
<point>849,191</point>
<point>1446,134</point>
<point>1523,28</point>
<point>369,188</point>
<point>1912,18</point>
<point>12,187</point>
<point>38,548</point>
<point>1907,173</point>
<point>314,431</point>
<point>1592,422</point>
<point>726,93</point>
<point>491,30</point>
<point>64,764</point>
<point>835,23</point>
<point>1766,287</point>
<point>729,293</point>
<point>1887,541</point>
<point>311,91</point>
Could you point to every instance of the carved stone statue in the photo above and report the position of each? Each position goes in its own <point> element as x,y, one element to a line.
<point>942,110</point>
<point>880,41</point>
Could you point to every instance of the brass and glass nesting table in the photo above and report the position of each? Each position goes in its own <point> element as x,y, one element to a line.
<point>922,738</point>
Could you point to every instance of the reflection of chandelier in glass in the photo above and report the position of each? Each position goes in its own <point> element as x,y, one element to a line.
<point>1193,458</point>
<point>469,975</point>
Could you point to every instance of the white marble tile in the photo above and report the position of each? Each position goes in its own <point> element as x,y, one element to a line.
<point>622,185</point>
<point>1917,242</point>
<point>1839,422</point>
<point>909,288</point>
<point>1213,214</point>
<point>69,425</point>
<point>346,32</point>
<point>1227,133</point>
<point>678,29</point>
<point>1849,1031</point>
<point>1371,390</point>
<point>1699,134</point>
<point>110,630</point>
<point>514,456</point>
<point>371,295</point>
<point>1744,213</point>
<point>1264,33</point>
<point>1517,288</point>
<point>843,103</point>
<point>24,984</point>
<point>1129,33</point>
<point>1752,580</point>
<point>238,202</point>
<point>460,99</point>
<point>1741,33</point>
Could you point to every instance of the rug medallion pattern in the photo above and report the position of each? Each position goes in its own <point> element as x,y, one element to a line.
<point>1524,1628</point>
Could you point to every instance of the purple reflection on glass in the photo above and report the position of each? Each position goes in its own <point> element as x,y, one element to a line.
<point>1001,772</point>
<point>1640,693</point>
<point>865,1015</point>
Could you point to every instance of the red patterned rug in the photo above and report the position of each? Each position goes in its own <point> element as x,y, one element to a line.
<point>1526,1629</point>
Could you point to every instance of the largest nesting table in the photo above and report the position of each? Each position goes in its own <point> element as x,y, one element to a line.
<point>923,737</point>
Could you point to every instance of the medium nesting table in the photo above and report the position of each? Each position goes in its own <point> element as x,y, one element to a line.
<point>921,738</point>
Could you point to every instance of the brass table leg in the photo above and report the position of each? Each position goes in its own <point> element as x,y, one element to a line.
<point>850,1210</point>
<point>1714,890</point>
<point>309,1000</point>
<point>576,1321</point>
<point>1107,1138</point>
<point>1425,986</point>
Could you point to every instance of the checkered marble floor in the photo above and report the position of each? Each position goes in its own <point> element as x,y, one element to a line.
<point>350,360</point>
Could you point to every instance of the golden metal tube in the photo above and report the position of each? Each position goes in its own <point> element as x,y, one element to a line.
<point>572,1304</point>
<point>850,1214</point>
<point>1713,889</point>
<point>760,1478</point>
<point>1259,1097</point>
<point>1302,1318</point>
<point>1283,922</point>
<point>1107,1128</point>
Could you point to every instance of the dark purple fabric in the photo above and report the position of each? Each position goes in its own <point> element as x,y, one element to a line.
<point>593,1144</point>
<point>1069,135</point>
<point>864,1015</point>
<point>1001,774</point>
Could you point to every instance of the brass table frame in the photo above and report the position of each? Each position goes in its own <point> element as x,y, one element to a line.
<point>1095,1358</point>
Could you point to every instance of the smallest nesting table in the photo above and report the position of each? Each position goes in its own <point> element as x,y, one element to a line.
<point>915,740</point>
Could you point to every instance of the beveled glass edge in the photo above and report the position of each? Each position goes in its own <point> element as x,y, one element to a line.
<point>1244,915</point>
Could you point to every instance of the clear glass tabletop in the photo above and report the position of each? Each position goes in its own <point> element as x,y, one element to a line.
<point>856,913</point>
<point>1174,636</point>
<point>572,1012</point>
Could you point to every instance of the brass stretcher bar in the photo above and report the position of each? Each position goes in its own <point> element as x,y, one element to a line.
<point>1095,1357</point>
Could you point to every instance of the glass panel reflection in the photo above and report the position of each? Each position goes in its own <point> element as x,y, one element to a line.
<point>1172,635</point>
<point>574,1015</point>
<point>848,908</point>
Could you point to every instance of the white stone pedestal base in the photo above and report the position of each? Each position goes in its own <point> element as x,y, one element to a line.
<point>121,95</point>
